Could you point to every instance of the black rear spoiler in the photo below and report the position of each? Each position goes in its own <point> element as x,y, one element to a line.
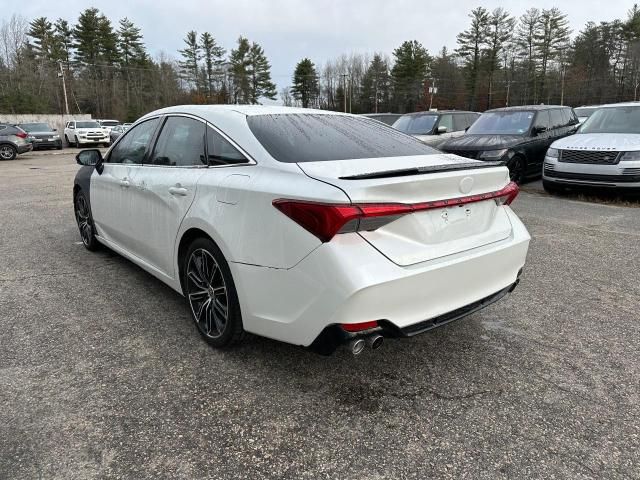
<point>424,170</point>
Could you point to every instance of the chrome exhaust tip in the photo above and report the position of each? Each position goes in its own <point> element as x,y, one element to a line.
<point>357,345</point>
<point>375,341</point>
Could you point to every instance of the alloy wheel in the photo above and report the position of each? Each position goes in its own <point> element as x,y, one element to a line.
<point>516,170</point>
<point>207,293</point>
<point>83,218</point>
<point>6,152</point>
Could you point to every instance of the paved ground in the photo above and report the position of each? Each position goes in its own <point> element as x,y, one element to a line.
<point>102,374</point>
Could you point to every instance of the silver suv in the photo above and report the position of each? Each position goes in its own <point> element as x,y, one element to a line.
<point>13,141</point>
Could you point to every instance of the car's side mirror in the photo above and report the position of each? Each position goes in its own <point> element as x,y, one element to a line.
<point>54,130</point>
<point>539,129</point>
<point>90,158</point>
<point>442,129</point>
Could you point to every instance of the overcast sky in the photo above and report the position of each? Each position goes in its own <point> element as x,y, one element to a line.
<point>319,29</point>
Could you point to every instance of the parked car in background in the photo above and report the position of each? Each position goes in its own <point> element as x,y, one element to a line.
<point>118,130</point>
<point>585,112</point>
<point>13,141</point>
<point>310,227</point>
<point>517,136</point>
<point>387,118</point>
<point>605,153</point>
<point>43,135</point>
<point>435,128</point>
<point>84,132</point>
<point>108,124</point>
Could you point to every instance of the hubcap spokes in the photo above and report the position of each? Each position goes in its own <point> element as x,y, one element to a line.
<point>207,293</point>
<point>82,217</point>
<point>6,152</point>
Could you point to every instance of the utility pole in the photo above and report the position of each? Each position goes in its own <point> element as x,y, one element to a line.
<point>433,90</point>
<point>64,89</point>
<point>564,71</point>
<point>344,90</point>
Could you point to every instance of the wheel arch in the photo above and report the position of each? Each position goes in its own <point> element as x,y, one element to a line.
<point>188,236</point>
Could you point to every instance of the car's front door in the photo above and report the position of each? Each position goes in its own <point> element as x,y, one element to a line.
<point>112,203</point>
<point>165,187</point>
<point>541,135</point>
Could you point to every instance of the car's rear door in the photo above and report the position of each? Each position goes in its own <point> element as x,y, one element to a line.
<point>164,188</point>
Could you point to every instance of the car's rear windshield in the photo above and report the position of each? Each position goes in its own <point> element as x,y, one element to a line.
<point>87,125</point>
<point>613,120</point>
<point>309,137</point>
<point>416,124</point>
<point>502,123</point>
<point>35,127</point>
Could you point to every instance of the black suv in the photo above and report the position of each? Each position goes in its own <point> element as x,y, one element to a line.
<point>517,136</point>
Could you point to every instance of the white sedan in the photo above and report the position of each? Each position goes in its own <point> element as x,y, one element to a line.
<point>310,227</point>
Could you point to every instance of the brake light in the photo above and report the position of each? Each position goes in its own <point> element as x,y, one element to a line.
<point>22,134</point>
<point>326,220</point>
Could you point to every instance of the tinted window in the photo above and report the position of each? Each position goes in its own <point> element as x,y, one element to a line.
<point>87,125</point>
<point>416,124</point>
<point>461,121</point>
<point>320,137</point>
<point>132,147</point>
<point>180,144</point>
<point>220,151</point>
<point>542,119</point>
<point>513,122</point>
<point>556,119</point>
<point>446,121</point>
<point>613,120</point>
<point>566,117</point>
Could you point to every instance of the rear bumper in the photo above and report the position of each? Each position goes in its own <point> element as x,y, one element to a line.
<point>348,281</point>
<point>27,147</point>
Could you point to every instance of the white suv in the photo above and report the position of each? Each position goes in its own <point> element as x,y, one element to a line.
<point>310,227</point>
<point>82,132</point>
<point>604,153</point>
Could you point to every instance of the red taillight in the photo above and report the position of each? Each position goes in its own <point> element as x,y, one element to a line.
<point>326,220</point>
<point>22,134</point>
<point>359,327</point>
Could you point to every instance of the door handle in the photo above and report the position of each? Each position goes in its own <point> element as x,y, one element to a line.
<point>124,183</point>
<point>178,191</point>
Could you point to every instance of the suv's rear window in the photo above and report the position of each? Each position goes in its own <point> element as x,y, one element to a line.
<point>309,137</point>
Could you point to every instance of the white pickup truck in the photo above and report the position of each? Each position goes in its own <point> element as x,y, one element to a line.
<point>82,132</point>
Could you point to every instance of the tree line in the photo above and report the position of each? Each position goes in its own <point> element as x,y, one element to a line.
<point>499,60</point>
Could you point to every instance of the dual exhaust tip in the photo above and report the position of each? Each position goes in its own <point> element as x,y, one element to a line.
<point>358,344</point>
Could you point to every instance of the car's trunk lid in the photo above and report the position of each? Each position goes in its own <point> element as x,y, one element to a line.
<point>430,234</point>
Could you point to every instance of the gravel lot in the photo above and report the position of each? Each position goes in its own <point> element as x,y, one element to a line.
<point>102,374</point>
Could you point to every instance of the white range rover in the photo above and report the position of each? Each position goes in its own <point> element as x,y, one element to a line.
<point>605,152</point>
<point>84,132</point>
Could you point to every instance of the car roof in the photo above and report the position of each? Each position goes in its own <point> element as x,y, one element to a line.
<point>622,104</point>
<point>213,111</point>
<point>527,108</point>
<point>438,112</point>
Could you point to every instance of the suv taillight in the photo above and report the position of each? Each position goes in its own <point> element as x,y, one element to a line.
<point>22,134</point>
<point>325,220</point>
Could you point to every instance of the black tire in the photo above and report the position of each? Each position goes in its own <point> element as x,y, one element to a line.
<point>68,141</point>
<point>59,147</point>
<point>76,143</point>
<point>517,167</point>
<point>84,220</point>
<point>202,283</point>
<point>8,152</point>
<point>552,188</point>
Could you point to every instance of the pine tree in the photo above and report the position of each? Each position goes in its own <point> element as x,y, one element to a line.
<point>239,60</point>
<point>191,54</point>
<point>212,54</point>
<point>376,85</point>
<point>130,43</point>
<point>500,31</point>
<point>526,33</point>
<point>551,39</point>
<point>260,75</point>
<point>64,41</point>
<point>408,74</point>
<point>41,30</point>
<point>305,88</point>
<point>470,44</point>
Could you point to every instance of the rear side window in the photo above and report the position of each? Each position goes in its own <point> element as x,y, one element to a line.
<point>556,118</point>
<point>180,144</point>
<point>461,121</point>
<point>303,137</point>
<point>566,116</point>
<point>220,151</point>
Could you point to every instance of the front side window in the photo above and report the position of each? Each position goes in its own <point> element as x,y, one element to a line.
<point>220,151</point>
<point>180,144</point>
<point>133,146</point>
<point>613,120</point>
<point>312,137</point>
<point>446,121</point>
<point>513,122</point>
<point>542,120</point>
<point>416,124</point>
